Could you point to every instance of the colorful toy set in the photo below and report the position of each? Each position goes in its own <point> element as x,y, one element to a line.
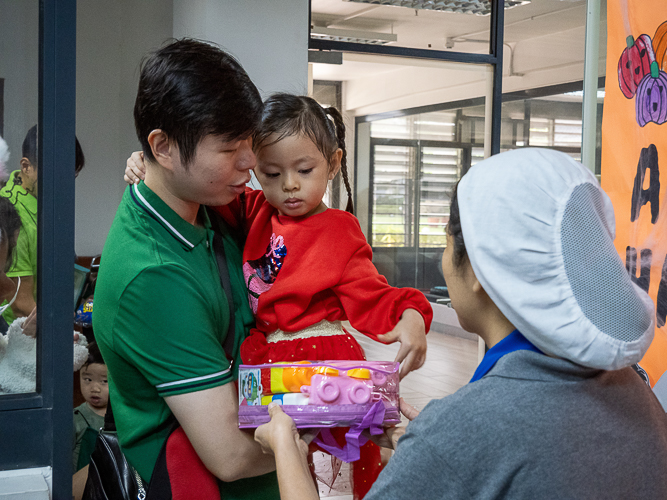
<point>320,394</point>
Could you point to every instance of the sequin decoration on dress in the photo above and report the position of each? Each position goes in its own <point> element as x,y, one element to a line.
<point>261,273</point>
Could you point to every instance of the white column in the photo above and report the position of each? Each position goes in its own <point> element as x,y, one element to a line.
<point>268,37</point>
<point>590,102</point>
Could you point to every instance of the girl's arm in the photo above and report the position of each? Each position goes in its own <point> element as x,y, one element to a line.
<point>280,438</point>
<point>382,312</point>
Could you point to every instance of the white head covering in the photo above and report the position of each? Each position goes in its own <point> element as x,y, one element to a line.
<point>539,231</point>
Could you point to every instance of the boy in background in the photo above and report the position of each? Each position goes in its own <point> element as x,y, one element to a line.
<point>89,417</point>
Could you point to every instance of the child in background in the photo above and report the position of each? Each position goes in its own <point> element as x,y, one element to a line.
<point>89,417</point>
<point>308,267</point>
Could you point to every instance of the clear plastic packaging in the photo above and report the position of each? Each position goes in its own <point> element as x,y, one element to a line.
<point>321,393</point>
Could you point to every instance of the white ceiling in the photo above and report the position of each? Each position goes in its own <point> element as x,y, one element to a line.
<point>426,29</point>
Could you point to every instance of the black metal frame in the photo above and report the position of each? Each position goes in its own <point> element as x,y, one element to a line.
<point>493,58</point>
<point>36,428</point>
<point>518,95</point>
<point>465,147</point>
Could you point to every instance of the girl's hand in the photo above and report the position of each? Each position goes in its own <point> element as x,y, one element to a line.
<point>410,331</point>
<point>135,170</point>
<point>280,432</point>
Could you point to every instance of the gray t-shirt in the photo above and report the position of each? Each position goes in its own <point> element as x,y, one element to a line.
<point>535,427</point>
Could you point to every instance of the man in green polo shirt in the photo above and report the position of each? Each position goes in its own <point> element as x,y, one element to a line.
<point>21,190</point>
<point>160,315</point>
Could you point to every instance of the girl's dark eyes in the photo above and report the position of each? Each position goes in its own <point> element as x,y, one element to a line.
<point>271,175</point>
<point>306,171</point>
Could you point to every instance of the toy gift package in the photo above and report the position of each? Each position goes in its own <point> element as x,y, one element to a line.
<point>361,395</point>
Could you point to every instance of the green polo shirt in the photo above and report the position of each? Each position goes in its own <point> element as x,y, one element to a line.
<point>25,254</point>
<point>160,318</point>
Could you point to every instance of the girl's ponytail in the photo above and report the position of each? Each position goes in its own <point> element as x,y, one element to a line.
<point>340,138</point>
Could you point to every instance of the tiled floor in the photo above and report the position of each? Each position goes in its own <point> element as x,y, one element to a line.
<point>450,362</point>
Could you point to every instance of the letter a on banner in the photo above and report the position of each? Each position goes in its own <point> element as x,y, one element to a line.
<point>634,156</point>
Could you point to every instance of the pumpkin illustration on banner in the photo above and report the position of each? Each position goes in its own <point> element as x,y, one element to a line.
<point>634,64</point>
<point>660,46</point>
<point>652,97</point>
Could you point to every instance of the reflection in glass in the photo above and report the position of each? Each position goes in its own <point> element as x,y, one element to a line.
<point>19,167</point>
<point>416,161</point>
<point>427,25</point>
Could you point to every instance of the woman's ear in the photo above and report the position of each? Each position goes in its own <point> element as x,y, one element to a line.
<point>334,164</point>
<point>472,280</point>
<point>162,149</point>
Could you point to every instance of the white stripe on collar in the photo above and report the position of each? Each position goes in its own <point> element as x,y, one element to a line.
<point>150,207</point>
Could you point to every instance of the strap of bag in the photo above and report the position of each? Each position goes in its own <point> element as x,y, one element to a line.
<point>109,422</point>
<point>219,248</point>
<point>160,485</point>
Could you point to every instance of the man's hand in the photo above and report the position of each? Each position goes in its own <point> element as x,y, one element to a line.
<point>280,431</point>
<point>135,170</point>
<point>410,331</point>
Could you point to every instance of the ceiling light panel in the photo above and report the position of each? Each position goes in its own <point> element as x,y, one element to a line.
<point>356,36</point>
<point>477,7</point>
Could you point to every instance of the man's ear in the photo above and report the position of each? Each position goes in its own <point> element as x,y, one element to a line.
<point>335,163</point>
<point>26,166</point>
<point>165,153</point>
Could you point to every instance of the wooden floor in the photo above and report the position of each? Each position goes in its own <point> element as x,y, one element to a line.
<point>450,363</point>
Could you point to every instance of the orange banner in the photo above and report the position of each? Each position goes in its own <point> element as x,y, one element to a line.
<point>634,155</point>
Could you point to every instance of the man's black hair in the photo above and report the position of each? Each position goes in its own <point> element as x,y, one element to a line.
<point>29,150</point>
<point>190,89</point>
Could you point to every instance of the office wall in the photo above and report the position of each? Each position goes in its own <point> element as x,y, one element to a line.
<point>112,37</point>
<point>19,59</point>
<point>268,37</point>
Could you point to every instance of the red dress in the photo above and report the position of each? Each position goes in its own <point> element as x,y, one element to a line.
<point>303,271</point>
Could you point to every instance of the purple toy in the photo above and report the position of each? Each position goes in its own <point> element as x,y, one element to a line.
<point>652,97</point>
<point>339,393</point>
<point>361,395</point>
<point>324,390</point>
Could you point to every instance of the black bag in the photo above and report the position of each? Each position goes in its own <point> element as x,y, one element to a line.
<point>110,476</point>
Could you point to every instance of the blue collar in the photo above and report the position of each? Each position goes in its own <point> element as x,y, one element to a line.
<point>513,342</point>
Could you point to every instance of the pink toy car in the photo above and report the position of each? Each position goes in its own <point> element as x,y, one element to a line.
<point>343,390</point>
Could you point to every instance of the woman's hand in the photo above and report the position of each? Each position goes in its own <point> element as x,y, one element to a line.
<point>410,331</point>
<point>280,438</point>
<point>135,170</point>
<point>279,432</point>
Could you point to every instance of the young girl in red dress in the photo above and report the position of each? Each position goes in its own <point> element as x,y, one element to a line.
<point>309,267</point>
